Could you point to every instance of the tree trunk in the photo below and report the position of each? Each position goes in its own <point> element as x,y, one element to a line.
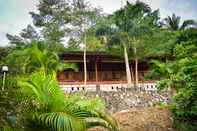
<point>85,62</point>
<point>4,75</point>
<point>136,72</point>
<point>132,73</point>
<point>128,72</point>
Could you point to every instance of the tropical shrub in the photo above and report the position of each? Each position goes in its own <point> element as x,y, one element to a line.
<point>9,109</point>
<point>47,107</point>
<point>44,106</point>
<point>9,103</point>
<point>35,57</point>
<point>186,98</point>
<point>181,75</point>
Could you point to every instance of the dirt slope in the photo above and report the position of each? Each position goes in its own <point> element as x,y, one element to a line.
<point>143,119</point>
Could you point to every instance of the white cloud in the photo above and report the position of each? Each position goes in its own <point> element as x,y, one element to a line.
<point>183,8</point>
<point>108,6</point>
<point>16,18</point>
<point>155,4</point>
<point>29,3</point>
<point>3,29</point>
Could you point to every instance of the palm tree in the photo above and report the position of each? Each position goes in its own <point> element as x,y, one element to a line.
<point>84,56</point>
<point>134,22</point>
<point>114,37</point>
<point>36,57</point>
<point>81,10</point>
<point>124,39</point>
<point>174,23</point>
<point>53,110</point>
<point>127,29</point>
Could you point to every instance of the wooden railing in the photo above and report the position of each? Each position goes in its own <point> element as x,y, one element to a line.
<point>102,76</point>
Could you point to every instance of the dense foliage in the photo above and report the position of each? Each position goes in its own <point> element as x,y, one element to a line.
<point>134,32</point>
<point>185,76</point>
<point>47,107</point>
<point>180,74</point>
<point>43,103</point>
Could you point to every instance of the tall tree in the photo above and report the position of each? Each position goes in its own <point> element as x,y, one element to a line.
<point>84,17</point>
<point>66,19</point>
<point>144,21</point>
<point>113,33</point>
<point>81,12</point>
<point>125,40</point>
<point>73,45</point>
<point>27,35</point>
<point>174,23</point>
<point>121,21</point>
<point>136,15</point>
<point>135,21</point>
<point>52,18</point>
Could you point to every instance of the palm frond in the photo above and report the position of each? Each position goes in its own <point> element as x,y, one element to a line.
<point>61,122</point>
<point>172,22</point>
<point>112,123</point>
<point>188,23</point>
<point>92,123</point>
<point>160,67</point>
<point>59,112</point>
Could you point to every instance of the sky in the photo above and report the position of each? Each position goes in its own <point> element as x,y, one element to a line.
<point>14,14</point>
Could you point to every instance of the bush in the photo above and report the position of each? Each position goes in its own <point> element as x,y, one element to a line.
<point>10,109</point>
<point>181,125</point>
<point>181,75</point>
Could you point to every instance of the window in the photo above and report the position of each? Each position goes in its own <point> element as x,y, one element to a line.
<point>115,75</point>
<point>105,75</point>
<point>66,74</point>
<point>91,75</point>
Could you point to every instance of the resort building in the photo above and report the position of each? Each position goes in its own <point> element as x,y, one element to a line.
<point>104,72</point>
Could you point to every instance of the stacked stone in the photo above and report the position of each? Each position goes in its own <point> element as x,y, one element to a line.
<point>123,100</point>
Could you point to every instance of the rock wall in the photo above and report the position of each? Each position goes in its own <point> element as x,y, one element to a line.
<point>123,100</point>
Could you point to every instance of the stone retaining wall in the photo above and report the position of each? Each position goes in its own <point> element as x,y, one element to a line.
<point>123,100</point>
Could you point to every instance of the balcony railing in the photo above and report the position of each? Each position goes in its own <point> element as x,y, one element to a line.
<point>102,76</point>
<point>105,86</point>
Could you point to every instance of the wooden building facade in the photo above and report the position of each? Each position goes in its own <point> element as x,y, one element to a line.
<point>102,69</point>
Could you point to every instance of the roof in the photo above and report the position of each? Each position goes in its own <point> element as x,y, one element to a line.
<point>90,53</point>
<point>77,56</point>
<point>74,56</point>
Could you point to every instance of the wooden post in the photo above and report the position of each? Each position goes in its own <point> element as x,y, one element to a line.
<point>132,74</point>
<point>136,72</point>
<point>85,67</point>
<point>96,76</point>
<point>3,87</point>
<point>96,71</point>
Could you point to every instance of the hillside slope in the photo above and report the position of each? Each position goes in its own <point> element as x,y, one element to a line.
<point>143,119</point>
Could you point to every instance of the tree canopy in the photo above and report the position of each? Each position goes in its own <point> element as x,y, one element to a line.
<point>134,32</point>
